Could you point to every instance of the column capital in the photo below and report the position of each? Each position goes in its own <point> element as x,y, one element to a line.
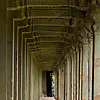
<point>77,49</point>
<point>90,37</point>
<point>80,45</point>
<point>85,41</point>
<point>97,29</point>
<point>72,50</point>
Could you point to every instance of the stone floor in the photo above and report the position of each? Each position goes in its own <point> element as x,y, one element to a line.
<point>47,98</point>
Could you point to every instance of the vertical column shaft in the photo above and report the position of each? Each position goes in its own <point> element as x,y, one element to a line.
<point>85,71</point>
<point>90,68</point>
<point>97,66</point>
<point>3,41</point>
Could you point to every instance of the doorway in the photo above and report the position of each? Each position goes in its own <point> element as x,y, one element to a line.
<point>48,83</point>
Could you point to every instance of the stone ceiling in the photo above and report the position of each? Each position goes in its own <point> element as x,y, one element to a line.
<point>50,27</point>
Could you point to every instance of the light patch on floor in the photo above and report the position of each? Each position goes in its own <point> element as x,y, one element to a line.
<point>47,98</point>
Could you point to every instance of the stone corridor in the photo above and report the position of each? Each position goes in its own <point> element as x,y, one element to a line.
<point>50,50</point>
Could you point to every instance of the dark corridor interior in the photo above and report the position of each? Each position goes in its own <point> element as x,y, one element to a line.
<point>49,83</point>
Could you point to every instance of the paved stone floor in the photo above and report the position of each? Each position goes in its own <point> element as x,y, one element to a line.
<point>47,98</point>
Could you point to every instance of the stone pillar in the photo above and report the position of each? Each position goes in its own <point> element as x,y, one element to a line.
<point>68,79</point>
<point>65,79</point>
<point>55,87</point>
<point>74,76</point>
<point>97,65</point>
<point>62,82</point>
<point>96,53</point>
<point>59,84</point>
<point>44,89</point>
<point>80,70</point>
<point>3,59</point>
<point>40,83</point>
<point>31,79</point>
<point>72,57</point>
<point>29,65</point>
<point>77,74</point>
<point>85,81</point>
<point>90,67</point>
<point>28,72</point>
<point>10,60</point>
<point>70,76</point>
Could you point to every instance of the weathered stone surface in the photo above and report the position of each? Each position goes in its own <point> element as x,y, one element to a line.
<point>47,98</point>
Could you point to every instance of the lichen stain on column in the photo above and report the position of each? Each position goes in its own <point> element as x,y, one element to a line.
<point>97,97</point>
<point>97,79</point>
<point>97,62</point>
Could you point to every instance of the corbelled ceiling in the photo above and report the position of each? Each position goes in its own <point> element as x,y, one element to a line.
<point>50,27</point>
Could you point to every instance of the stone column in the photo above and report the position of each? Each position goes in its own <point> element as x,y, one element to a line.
<point>10,60</point>
<point>69,76</point>
<point>3,59</point>
<point>68,79</point>
<point>97,65</point>
<point>73,75</point>
<point>29,65</point>
<point>40,84</point>
<point>80,70</point>
<point>77,74</point>
<point>72,57</point>
<point>90,67</point>
<point>28,72</point>
<point>65,79</point>
<point>96,53</point>
<point>59,84</point>
<point>44,89</point>
<point>62,81</point>
<point>55,87</point>
<point>31,79</point>
<point>85,70</point>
